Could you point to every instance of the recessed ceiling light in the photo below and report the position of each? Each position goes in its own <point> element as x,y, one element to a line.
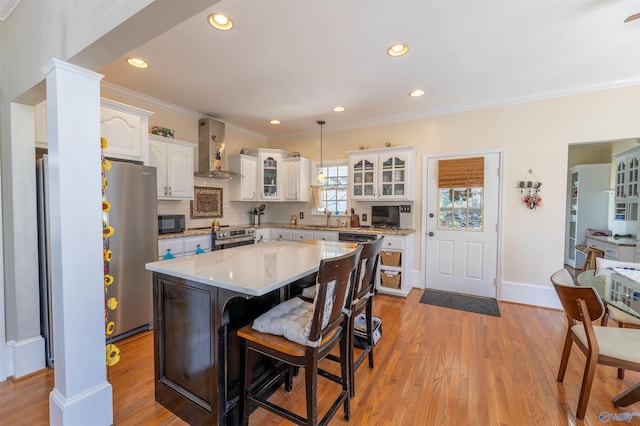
<point>275,122</point>
<point>339,108</point>
<point>416,93</point>
<point>220,22</point>
<point>137,62</point>
<point>398,49</point>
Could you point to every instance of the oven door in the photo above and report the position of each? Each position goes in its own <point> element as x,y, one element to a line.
<point>233,242</point>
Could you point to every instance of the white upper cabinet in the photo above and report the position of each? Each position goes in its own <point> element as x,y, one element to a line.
<point>382,174</point>
<point>244,188</point>
<point>627,180</point>
<point>270,163</point>
<point>173,160</point>
<point>125,127</point>
<point>296,178</point>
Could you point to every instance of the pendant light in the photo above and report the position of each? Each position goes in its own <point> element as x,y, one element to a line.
<point>321,177</point>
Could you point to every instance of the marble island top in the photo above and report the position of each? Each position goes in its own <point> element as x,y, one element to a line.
<point>253,270</point>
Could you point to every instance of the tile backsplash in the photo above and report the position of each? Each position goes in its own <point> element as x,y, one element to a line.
<point>237,212</point>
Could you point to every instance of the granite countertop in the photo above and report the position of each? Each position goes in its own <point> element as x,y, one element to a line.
<point>273,265</point>
<point>615,241</point>
<point>361,230</point>
<point>187,233</point>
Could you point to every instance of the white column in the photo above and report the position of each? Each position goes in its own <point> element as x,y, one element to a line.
<point>81,394</point>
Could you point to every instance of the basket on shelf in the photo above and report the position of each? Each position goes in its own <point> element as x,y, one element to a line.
<point>390,280</point>
<point>390,258</point>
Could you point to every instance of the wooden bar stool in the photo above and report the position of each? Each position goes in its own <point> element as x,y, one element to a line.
<point>590,258</point>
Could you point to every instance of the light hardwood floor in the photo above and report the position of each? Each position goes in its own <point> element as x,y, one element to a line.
<point>434,366</point>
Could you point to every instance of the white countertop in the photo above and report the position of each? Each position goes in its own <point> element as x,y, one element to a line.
<point>253,270</point>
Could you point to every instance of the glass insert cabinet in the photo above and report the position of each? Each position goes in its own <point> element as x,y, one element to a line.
<point>270,176</point>
<point>382,174</point>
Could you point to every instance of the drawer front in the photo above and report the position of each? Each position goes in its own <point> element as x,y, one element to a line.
<point>301,235</point>
<point>191,243</point>
<point>175,245</point>
<point>281,235</point>
<point>393,243</point>
<point>611,252</point>
<point>325,236</point>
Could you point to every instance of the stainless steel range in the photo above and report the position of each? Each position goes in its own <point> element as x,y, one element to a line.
<point>233,236</point>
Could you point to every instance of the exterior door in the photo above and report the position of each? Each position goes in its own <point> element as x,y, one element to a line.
<point>462,225</point>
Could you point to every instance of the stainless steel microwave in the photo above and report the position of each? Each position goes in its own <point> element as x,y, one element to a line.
<point>171,223</point>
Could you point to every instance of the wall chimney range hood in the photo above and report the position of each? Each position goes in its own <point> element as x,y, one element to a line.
<point>212,156</point>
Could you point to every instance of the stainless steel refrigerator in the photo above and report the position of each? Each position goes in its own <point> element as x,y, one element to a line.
<point>134,216</point>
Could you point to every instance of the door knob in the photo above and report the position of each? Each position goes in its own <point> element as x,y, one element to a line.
<point>431,234</point>
<point>431,215</point>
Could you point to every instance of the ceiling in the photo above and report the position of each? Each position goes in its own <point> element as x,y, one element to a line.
<point>295,60</point>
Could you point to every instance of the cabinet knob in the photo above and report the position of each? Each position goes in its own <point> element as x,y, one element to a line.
<point>169,190</point>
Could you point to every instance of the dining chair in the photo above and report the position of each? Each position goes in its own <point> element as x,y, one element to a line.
<point>621,318</point>
<point>616,347</point>
<point>300,334</point>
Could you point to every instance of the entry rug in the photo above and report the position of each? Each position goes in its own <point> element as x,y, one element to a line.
<point>479,305</point>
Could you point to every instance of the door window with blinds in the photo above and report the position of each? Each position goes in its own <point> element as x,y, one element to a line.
<point>461,189</point>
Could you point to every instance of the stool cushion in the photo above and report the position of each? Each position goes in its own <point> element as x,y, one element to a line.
<point>288,319</point>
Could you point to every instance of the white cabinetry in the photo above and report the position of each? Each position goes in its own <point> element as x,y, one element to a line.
<point>244,188</point>
<point>382,174</point>
<point>325,235</point>
<point>586,207</point>
<point>125,127</point>
<point>174,162</point>
<point>396,264</point>
<point>296,179</point>
<point>613,251</point>
<point>301,235</point>
<point>627,179</point>
<point>281,234</point>
<point>183,246</point>
<point>270,167</point>
<point>263,235</point>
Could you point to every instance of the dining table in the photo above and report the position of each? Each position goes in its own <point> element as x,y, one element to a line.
<point>619,288</point>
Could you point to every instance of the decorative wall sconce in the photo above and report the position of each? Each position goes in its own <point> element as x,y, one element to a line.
<point>530,191</point>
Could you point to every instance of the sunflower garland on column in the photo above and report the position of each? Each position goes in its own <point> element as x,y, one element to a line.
<point>112,352</point>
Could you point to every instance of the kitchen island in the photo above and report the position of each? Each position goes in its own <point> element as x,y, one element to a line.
<point>199,302</point>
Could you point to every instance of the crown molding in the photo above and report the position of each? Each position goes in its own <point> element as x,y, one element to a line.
<point>7,7</point>
<point>435,112</point>
<point>149,100</point>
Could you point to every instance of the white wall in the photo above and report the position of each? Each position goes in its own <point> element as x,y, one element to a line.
<point>535,135</point>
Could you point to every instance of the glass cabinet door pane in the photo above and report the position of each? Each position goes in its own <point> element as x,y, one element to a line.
<point>368,190</point>
<point>368,177</point>
<point>398,176</point>
<point>387,189</point>
<point>387,176</point>
<point>398,189</point>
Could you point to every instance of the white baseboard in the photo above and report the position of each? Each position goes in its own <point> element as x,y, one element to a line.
<point>90,407</point>
<point>528,294</point>
<point>525,294</point>
<point>25,356</point>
